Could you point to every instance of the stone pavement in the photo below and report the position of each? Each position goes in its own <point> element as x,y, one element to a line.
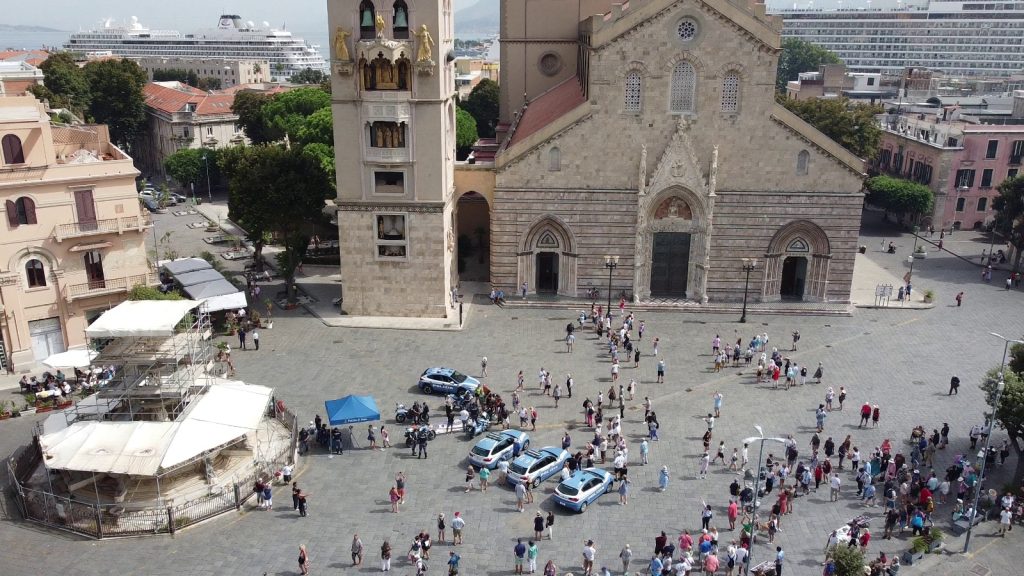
<point>902,361</point>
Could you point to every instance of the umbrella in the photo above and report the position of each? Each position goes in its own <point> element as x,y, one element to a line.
<point>71,359</point>
<point>351,409</point>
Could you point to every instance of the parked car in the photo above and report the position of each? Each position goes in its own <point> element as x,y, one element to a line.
<point>152,205</point>
<point>178,198</point>
<point>446,381</point>
<point>582,488</point>
<point>497,446</point>
<point>536,466</point>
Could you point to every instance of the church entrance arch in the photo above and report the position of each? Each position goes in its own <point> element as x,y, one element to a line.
<point>794,277</point>
<point>671,240</point>
<point>797,263</point>
<point>547,258</point>
<point>473,238</point>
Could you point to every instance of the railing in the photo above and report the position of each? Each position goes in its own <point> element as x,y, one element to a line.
<point>106,286</point>
<point>387,154</point>
<point>106,226</point>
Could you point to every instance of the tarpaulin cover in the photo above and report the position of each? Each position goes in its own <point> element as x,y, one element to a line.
<point>352,409</point>
<point>143,318</point>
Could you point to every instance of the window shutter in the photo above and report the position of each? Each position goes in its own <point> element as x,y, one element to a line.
<point>30,210</point>
<point>12,214</point>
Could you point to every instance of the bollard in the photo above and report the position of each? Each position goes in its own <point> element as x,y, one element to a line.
<point>238,497</point>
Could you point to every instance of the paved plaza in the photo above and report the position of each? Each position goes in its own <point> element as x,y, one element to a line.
<point>899,359</point>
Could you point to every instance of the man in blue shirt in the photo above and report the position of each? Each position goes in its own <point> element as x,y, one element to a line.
<point>779,557</point>
<point>656,565</point>
<point>453,563</point>
<point>520,554</point>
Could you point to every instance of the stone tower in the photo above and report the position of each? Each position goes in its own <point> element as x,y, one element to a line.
<point>394,131</point>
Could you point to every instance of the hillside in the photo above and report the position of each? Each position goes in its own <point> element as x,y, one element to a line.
<point>478,20</point>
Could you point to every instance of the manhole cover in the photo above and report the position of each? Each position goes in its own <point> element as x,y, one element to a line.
<point>919,383</point>
<point>980,570</point>
<point>339,341</point>
<point>828,345</point>
<point>828,325</point>
<point>867,333</point>
<point>514,318</point>
<point>556,319</point>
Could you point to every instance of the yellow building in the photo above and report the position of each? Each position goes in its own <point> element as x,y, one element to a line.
<point>74,239</point>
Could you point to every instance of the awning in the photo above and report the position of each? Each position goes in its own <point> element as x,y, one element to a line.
<point>184,265</point>
<point>351,409</point>
<point>226,302</point>
<point>210,289</point>
<point>225,413</point>
<point>94,246</point>
<point>198,277</point>
<point>79,358</point>
<point>142,318</point>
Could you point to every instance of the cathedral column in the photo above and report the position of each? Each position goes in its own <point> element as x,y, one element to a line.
<point>525,272</point>
<point>567,274</point>
<point>772,283</point>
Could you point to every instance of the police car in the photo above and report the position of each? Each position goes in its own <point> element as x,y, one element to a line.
<point>536,466</point>
<point>582,488</point>
<point>446,381</point>
<point>497,446</point>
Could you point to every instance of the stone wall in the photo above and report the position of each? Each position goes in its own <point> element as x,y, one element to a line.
<point>416,286</point>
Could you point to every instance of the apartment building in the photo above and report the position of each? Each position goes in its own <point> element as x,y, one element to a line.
<point>74,239</point>
<point>229,72</point>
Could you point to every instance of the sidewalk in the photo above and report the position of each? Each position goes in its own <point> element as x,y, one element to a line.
<point>868,274</point>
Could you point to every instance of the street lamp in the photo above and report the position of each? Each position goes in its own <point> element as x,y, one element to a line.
<point>206,162</point>
<point>757,488</point>
<point>748,265</point>
<point>611,263</point>
<point>988,437</point>
<point>460,310</point>
<point>911,273</point>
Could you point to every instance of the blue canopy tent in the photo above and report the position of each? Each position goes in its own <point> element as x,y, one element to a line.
<point>352,409</point>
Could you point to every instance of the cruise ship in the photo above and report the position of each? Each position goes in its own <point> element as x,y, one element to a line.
<point>232,39</point>
<point>957,38</point>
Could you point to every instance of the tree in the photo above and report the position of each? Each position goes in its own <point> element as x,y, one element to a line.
<point>853,126</point>
<point>482,104</point>
<point>465,133</point>
<point>1009,413</point>
<point>1009,220</point>
<point>66,85</point>
<point>280,191</point>
<point>117,101</point>
<point>171,75</point>
<point>318,128</point>
<point>208,83</point>
<point>1016,360</point>
<point>248,105</point>
<point>308,76</point>
<point>800,56</point>
<point>287,112</point>
<point>900,196</point>
<point>185,166</point>
<point>191,78</point>
<point>849,561</point>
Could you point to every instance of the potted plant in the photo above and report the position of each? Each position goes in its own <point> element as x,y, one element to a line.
<point>927,542</point>
<point>5,412</point>
<point>929,296</point>
<point>255,318</point>
<point>270,308</point>
<point>920,253</point>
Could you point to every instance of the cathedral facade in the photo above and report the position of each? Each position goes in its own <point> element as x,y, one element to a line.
<point>639,141</point>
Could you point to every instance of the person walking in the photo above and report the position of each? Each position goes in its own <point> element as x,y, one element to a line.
<point>483,366</point>
<point>780,556</point>
<point>865,415</point>
<point>485,474</point>
<point>625,555</point>
<point>959,298</point>
<point>549,523</point>
<point>818,373</point>
<point>357,550</point>
<point>385,556</point>
<point>394,498</point>
<point>371,437</point>
<point>661,371</point>
<point>470,474</point>
<point>954,385</point>
<point>589,552</point>
<point>256,339</point>
<point>842,396</point>
<point>663,478</point>
<point>400,486</point>
<point>624,487</point>
<point>520,494</point>
<point>440,528</point>
<point>717,402</point>
<point>834,484</point>
<point>645,449</point>
<point>295,496</point>
<point>303,559</point>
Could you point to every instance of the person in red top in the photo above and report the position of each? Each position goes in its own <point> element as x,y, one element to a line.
<point>685,541</point>
<point>819,474</point>
<point>865,538</point>
<point>775,377</point>
<point>865,415</point>
<point>925,495</point>
<point>711,564</point>
<point>734,510</point>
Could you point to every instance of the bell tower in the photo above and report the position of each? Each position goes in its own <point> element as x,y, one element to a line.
<point>393,100</point>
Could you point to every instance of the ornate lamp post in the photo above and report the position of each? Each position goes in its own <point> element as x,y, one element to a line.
<point>748,265</point>
<point>911,273</point>
<point>757,487</point>
<point>983,455</point>
<point>611,263</point>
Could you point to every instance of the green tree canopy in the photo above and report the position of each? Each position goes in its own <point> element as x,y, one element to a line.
<point>208,83</point>
<point>853,126</point>
<point>170,74</point>
<point>117,101</point>
<point>308,76</point>
<point>465,132</point>
<point>800,56</point>
<point>65,84</point>
<point>1009,220</point>
<point>482,104</point>
<point>185,166</point>
<point>287,111</point>
<point>248,105</point>
<point>849,561</point>
<point>1010,411</point>
<point>318,128</point>
<point>900,196</point>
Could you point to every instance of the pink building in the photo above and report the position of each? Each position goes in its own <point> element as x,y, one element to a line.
<point>962,162</point>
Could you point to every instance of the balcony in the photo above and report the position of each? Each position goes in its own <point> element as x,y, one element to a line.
<point>106,286</point>
<point>63,232</point>
<point>387,155</point>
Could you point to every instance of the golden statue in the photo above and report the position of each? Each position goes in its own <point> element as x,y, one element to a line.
<point>380,26</point>
<point>426,44</point>
<point>340,46</point>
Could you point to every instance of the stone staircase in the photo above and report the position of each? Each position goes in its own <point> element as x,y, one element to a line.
<point>679,305</point>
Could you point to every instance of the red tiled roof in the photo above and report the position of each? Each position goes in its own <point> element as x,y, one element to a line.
<point>33,57</point>
<point>172,97</point>
<point>548,107</point>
